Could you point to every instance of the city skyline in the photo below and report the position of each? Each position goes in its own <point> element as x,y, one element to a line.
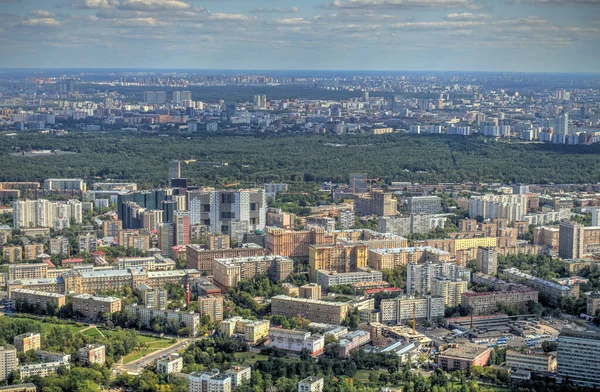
<point>435,35</point>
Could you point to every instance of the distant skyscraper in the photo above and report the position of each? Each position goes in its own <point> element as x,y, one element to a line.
<point>562,124</point>
<point>260,101</point>
<point>176,97</point>
<point>174,170</point>
<point>165,238</point>
<point>155,97</point>
<point>181,224</point>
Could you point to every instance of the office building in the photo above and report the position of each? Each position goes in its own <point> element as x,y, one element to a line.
<point>377,203</point>
<point>296,341</point>
<point>315,310</point>
<point>45,213</point>
<point>170,363</point>
<point>42,369</point>
<point>487,260</point>
<point>294,244</point>
<point>239,375</point>
<point>92,307</point>
<point>227,273</point>
<point>218,209</point>
<point>203,259</point>
<point>211,306</point>
<point>463,358</point>
<point>92,353</point>
<point>424,204</point>
<point>327,278</point>
<point>28,387</point>
<point>253,331</point>
<point>351,341</point>
<point>392,258</point>
<point>399,310</point>
<point>28,341</point>
<point>175,317</point>
<point>531,361</point>
<point>579,357</point>
<point>311,384</point>
<point>65,184</point>
<point>38,299</point>
<point>8,361</point>
<point>489,302</point>
<point>212,381</point>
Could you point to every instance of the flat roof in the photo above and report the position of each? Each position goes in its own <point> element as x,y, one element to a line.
<point>465,352</point>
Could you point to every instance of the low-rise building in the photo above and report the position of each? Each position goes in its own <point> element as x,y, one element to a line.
<point>488,302</point>
<point>463,358</point>
<point>212,381</point>
<point>38,299</point>
<point>553,291</point>
<point>203,259</point>
<point>531,361</point>
<point>92,353</point>
<point>29,387</point>
<point>175,317</point>
<point>239,375</point>
<point>327,278</point>
<point>347,343</point>
<point>92,307</point>
<point>42,369</point>
<point>310,291</point>
<point>28,341</point>
<point>311,384</point>
<point>296,341</point>
<point>172,363</point>
<point>48,356</point>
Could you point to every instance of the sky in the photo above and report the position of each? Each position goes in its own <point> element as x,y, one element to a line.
<point>427,35</point>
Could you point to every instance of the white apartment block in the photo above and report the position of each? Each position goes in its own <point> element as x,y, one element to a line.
<point>45,213</point>
<point>168,364</point>
<point>291,340</point>
<point>42,369</point>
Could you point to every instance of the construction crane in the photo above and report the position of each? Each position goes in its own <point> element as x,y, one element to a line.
<point>231,185</point>
<point>187,162</point>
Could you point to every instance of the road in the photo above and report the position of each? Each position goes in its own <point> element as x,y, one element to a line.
<point>140,364</point>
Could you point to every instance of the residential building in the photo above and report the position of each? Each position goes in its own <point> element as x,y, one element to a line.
<point>217,209</point>
<point>420,278</point>
<point>510,207</point>
<point>451,290</point>
<point>227,273</point>
<point>154,263</point>
<point>92,307</point>
<point>65,184</point>
<point>211,306</point>
<point>253,330</point>
<point>239,375</point>
<point>531,361</point>
<point>424,204</point>
<point>32,251</point>
<point>553,291</point>
<point>463,358</point>
<point>271,190</point>
<point>165,237</point>
<point>349,342</point>
<point>42,369</point>
<point>392,258</point>
<point>27,271</point>
<point>399,310</point>
<point>212,381</point>
<point>310,291</point>
<point>546,236</point>
<point>277,218</point>
<point>377,203</point>
<point>28,341</point>
<point>311,384</point>
<point>488,302</point>
<point>314,310</point>
<point>203,259</point>
<point>28,387</point>
<point>579,356</point>
<point>170,363</point>
<point>45,213</point>
<point>326,278</point>
<point>296,341</point>
<point>487,260</point>
<point>88,243</point>
<point>571,236</point>
<point>111,228</point>
<point>346,219</point>
<point>48,356</point>
<point>60,246</point>
<point>153,298</point>
<point>178,318</point>
<point>12,254</point>
<point>181,226</point>
<point>92,353</point>
<point>411,224</point>
<point>593,304</point>
<point>294,244</point>
<point>8,361</point>
<point>338,257</point>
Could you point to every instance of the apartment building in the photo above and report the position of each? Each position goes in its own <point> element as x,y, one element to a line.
<point>48,356</point>
<point>92,353</point>
<point>310,291</point>
<point>376,203</point>
<point>8,361</point>
<point>326,278</point>
<point>578,357</point>
<point>28,387</point>
<point>487,260</point>
<point>424,204</point>
<point>546,236</point>
<point>227,273</point>
<point>531,361</point>
<point>155,263</point>
<point>252,330</point>
<point>12,254</point>
<point>593,304</point>
<point>314,310</point>
<point>42,369</point>
<point>211,306</point>
<point>217,209</point>
<point>420,278</point>
<point>311,384</point>
<point>351,341</point>
<point>510,207</point>
<point>27,271</point>
<point>553,291</point>
<point>41,299</point>
<point>463,358</point>
<point>170,363</point>
<point>411,224</point>
<point>60,246</point>
<point>296,341</point>
<point>371,238</point>
<point>203,259</point>
<point>392,258</point>
<point>212,381</point>
<point>153,298</point>
<point>339,257</point>
<point>64,184</point>
<point>277,218</point>
<point>28,341</point>
<point>92,307</point>
<point>239,375</point>
<point>451,290</point>
<point>32,251</point>
<point>111,228</point>
<point>178,318</point>
<point>44,213</point>
<point>488,302</point>
<point>399,310</point>
<point>294,244</point>
<point>88,243</point>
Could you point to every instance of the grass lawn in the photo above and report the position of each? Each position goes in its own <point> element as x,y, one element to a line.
<point>93,332</point>
<point>134,356</point>
<point>363,375</point>
<point>250,358</point>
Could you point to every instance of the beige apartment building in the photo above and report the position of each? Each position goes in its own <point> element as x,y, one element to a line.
<point>314,310</point>
<point>338,258</point>
<point>203,259</point>
<point>27,271</point>
<point>253,330</point>
<point>294,243</point>
<point>38,298</point>
<point>211,306</point>
<point>227,273</point>
<point>92,307</point>
<point>28,341</point>
<point>392,258</point>
<point>487,302</point>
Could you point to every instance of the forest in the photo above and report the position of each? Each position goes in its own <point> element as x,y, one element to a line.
<point>293,158</point>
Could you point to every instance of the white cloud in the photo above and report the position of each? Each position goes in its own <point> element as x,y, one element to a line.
<point>278,10</point>
<point>41,14</point>
<point>291,21</point>
<point>153,5</point>
<point>138,22</point>
<point>41,22</point>
<point>359,4</point>
<point>466,16</point>
<point>91,4</point>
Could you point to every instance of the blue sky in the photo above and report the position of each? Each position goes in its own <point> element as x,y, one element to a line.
<point>474,35</point>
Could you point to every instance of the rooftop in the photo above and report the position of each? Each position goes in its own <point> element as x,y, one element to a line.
<point>409,250</point>
<point>465,352</point>
<point>313,301</point>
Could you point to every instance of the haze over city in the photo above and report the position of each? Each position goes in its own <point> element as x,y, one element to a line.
<point>473,35</point>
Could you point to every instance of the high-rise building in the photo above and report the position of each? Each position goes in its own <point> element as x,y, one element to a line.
<point>228,272</point>
<point>165,237</point>
<point>376,203</point>
<point>424,204</point>
<point>339,258</point>
<point>111,228</point>
<point>155,97</point>
<point>420,278</point>
<point>211,306</point>
<point>561,124</point>
<point>8,361</point>
<point>400,310</point>
<point>571,237</point>
<point>450,289</point>
<point>174,170</point>
<point>181,226</point>
<point>310,291</point>
<point>487,260</point>
<point>44,213</point>
<point>358,182</point>
<point>579,356</point>
<point>87,243</point>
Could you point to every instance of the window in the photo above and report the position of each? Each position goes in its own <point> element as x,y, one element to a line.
<point>227,215</point>
<point>205,207</point>
<point>227,198</point>
<point>253,206</point>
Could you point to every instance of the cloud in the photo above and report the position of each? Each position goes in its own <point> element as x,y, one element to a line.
<point>370,4</point>
<point>230,17</point>
<point>291,21</point>
<point>40,22</point>
<point>556,2</point>
<point>466,16</point>
<point>153,5</point>
<point>138,22</point>
<point>262,10</point>
<point>41,14</point>
<point>448,25</point>
<point>90,4</point>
